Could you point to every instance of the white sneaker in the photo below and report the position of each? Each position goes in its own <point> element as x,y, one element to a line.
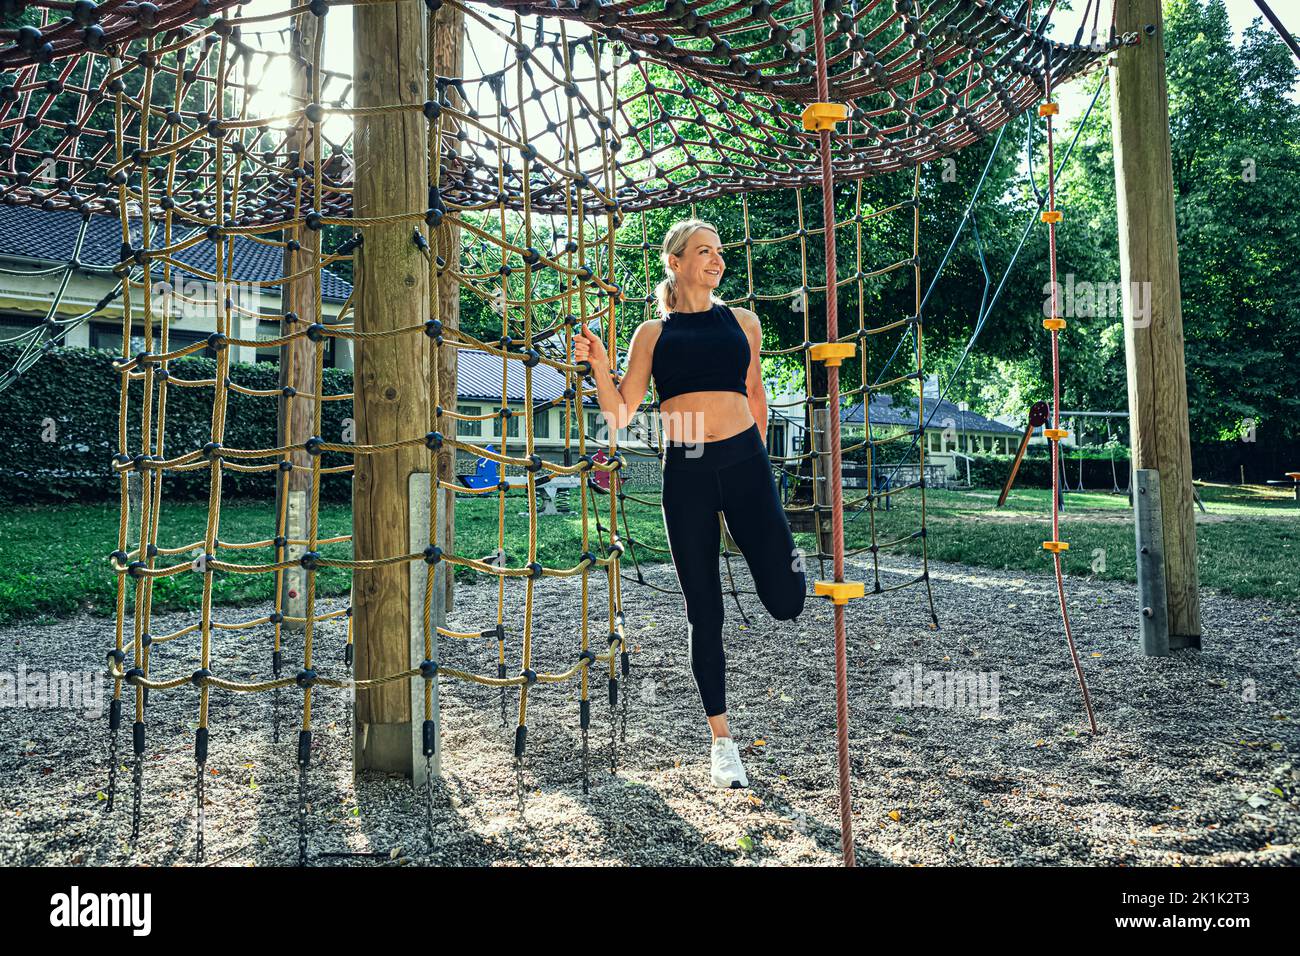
<point>728,772</point>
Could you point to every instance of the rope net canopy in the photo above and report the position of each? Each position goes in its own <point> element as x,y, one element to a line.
<point>545,173</point>
<point>700,102</point>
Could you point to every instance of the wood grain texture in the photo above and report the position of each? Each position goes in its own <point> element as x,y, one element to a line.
<point>1157,377</point>
<point>391,378</point>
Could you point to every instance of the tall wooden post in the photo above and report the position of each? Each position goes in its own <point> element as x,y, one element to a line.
<point>447,43</point>
<point>391,376</point>
<point>1153,343</point>
<point>298,358</point>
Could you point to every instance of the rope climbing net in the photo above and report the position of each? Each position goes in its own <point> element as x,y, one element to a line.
<point>548,177</point>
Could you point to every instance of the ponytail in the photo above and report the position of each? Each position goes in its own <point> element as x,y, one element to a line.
<point>666,295</point>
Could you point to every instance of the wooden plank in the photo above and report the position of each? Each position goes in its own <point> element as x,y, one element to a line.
<point>1157,378</point>
<point>391,377</point>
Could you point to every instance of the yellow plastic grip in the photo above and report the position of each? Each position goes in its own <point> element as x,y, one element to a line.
<point>1051,215</point>
<point>820,116</point>
<point>1056,546</point>
<point>1054,324</point>
<point>1048,109</point>
<point>840,592</point>
<point>832,353</point>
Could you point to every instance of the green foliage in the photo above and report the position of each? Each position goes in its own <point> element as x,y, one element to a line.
<point>59,424</point>
<point>1251,553</point>
<point>990,471</point>
<point>897,450</point>
<point>53,561</point>
<point>1234,132</point>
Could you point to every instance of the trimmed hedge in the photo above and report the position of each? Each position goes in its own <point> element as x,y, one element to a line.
<point>900,449</point>
<point>1267,458</point>
<point>59,428</point>
<point>990,471</point>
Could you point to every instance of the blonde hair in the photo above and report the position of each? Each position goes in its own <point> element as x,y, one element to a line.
<point>674,245</point>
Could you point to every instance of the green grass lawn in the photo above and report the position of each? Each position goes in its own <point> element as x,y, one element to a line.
<point>1247,545</point>
<point>53,559</point>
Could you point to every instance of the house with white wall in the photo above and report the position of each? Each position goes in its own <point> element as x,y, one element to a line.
<point>35,243</point>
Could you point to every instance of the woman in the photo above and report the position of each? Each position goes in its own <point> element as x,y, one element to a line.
<point>704,359</point>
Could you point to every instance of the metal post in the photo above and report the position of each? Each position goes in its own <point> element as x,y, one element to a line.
<point>295,578</point>
<point>421,501</point>
<point>1154,615</point>
<point>821,485</point>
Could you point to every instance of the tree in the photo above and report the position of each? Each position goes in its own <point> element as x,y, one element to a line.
<point>1234,134</point>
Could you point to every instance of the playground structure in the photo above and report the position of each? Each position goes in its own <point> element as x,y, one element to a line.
<point>473,189</point>
<point>488,474</point>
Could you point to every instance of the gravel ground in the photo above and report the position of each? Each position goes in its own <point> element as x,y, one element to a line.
<point>1195,762</point>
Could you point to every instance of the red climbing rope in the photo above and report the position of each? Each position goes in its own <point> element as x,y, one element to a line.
<point>834,478</point>
<point>1054,325</point>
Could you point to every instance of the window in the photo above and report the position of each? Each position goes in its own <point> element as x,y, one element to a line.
<point>266,330</point>
<point>512,425</point>
<point>468,428</point>
<point>108,335</point>
<point>595,425</point>
<point>542,423</point>
<point>12,325</point>
<point>178,339</point>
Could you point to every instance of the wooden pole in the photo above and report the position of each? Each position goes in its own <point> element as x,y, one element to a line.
<point>391,376</point>
<point>298,357</point>
<point>447,43</point>
<point>1153,343</point>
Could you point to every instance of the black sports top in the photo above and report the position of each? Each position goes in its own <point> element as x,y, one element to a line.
<point>700,352</point>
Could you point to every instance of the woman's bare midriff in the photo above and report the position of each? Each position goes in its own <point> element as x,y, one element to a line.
<point>705,416</point>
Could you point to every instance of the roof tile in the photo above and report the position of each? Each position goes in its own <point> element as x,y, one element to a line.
<point>37,234</point>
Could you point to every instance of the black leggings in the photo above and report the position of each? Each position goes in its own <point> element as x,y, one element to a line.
<point>733,476</point>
